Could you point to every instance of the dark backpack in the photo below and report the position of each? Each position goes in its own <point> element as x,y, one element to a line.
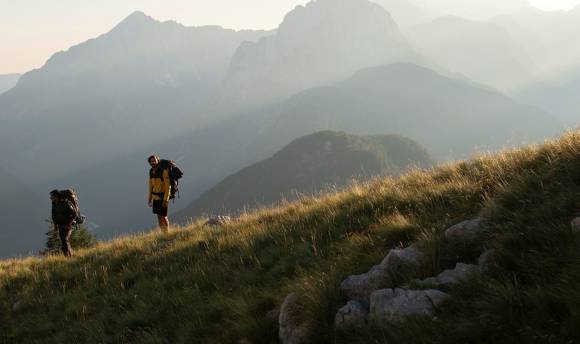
<point>71,196</point>
<point>175,175</point>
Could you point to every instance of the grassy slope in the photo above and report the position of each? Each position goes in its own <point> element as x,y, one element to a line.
<point>224,285</point>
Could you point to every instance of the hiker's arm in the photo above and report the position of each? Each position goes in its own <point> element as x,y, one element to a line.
<point>53,215</point>
<point>150,192</point>
<point>71,211</point>
<point>166,186</point>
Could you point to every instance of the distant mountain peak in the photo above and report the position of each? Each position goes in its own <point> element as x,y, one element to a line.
<point>313,12</point>
<point>135,20</point>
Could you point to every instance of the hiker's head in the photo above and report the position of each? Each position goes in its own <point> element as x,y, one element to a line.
<point>54,195</point>
<point>153,160</point>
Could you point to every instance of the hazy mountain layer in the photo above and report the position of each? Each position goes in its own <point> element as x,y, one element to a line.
<point>23,215</point>
<point>559,95</point>
<point>450,117</point>
<point>7,81</point>
<point>404,13</point>
<point>482,51</point>
<point>316,44</point>
<point>307,166</point>
<point>551,40</point>
<point>141,83</point>
<point>470,9</point>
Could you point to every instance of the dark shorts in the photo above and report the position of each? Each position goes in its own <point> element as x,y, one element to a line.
<point>159,209</point>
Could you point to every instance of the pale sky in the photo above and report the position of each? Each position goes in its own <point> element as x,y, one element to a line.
<point>32,30</point>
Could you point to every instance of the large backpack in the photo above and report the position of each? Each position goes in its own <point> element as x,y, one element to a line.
<point>175,175</point>
<point>71,196</point>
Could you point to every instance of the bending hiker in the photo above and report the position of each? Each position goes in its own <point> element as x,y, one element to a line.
<point>64,215</point>
<point>159,191</point>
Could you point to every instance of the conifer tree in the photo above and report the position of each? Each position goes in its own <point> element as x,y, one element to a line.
<point>80,238</point>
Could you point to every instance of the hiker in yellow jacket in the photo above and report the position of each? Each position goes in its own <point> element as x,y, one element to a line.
<point>159,191</point>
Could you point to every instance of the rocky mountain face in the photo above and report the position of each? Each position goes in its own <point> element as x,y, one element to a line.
<point>7,81</point>
<point>316,44</point>
<point>141,83</point>
<point>305,167</point>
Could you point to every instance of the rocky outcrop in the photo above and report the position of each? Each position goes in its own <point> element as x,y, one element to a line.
<point>291,329</point>
<point>369,300</point>
<point>400,265</point>
<point>394,305</point>
<point>352,313</point>
<point>465,232</point>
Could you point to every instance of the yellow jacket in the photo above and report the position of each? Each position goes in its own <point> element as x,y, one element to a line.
<point>159,185</point>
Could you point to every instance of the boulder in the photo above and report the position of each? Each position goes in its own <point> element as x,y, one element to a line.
<point>576,225</point>
<point>448,278</point>
<point>394,305</point>
<point>430,282</point>
<point>360,287</point>
<point>352,313</point>
<point>486,261</point>
<point>461,272</point>
<point>291,330</point>
<point>465,232</point>
<point>404,264</point>
<point>399,266</point>
<point>218,221</point>
<point>18,306</point>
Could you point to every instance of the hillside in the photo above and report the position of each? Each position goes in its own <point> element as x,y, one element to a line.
<point>23,214</point>
<point>226,285</point>
<point>142,82</point>
<point>7,81</point>
<point>305,167</point>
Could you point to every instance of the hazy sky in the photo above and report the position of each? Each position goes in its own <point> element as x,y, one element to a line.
<point>32,30</point>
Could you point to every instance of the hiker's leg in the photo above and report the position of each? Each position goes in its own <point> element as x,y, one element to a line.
<point>163,223</point>
<point>65,232</point>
